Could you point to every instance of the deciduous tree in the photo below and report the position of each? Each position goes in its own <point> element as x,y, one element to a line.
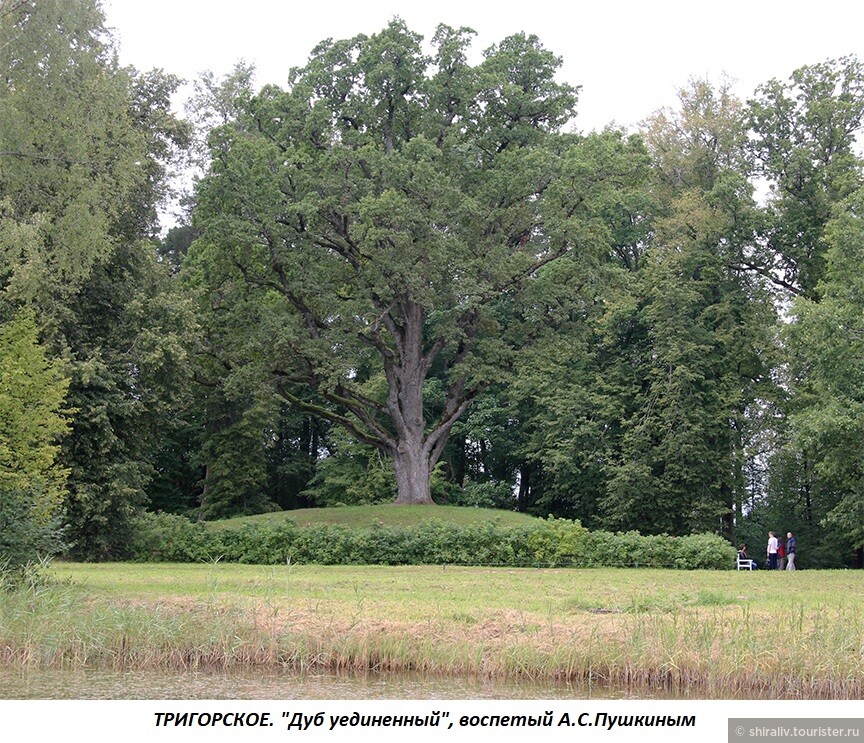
<point>388,211</point>
<point>804,133</point>
<point>85,147</point>
<point>32,421</point>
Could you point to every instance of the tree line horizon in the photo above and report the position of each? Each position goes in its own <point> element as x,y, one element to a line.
<point>405,278</point>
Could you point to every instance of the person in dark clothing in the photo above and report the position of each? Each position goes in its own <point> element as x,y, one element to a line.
<point>791,545</point>
<point>744,558</point>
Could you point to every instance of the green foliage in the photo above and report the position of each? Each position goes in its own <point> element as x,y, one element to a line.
<point>631,549</point>
<point>804,137</point>
<point>406,279</point>
<point>32,421</point>
<point>352,474</point>
<point>85,151</point>
<point>165,537</point>
<point>552,543</point>
<point>375,226</point>
<point>692,344</point>
<point>807,138</point>
<point>483,495</point>
<point>827,421</point>
<point>559,542</point>
<point>232,455</point>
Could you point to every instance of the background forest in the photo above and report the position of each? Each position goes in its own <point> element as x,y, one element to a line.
<point>659,330</point>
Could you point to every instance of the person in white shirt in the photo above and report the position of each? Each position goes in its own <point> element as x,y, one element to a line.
<point>772,550</point>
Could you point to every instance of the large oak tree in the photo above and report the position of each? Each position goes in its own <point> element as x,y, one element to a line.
<point>379,223</point>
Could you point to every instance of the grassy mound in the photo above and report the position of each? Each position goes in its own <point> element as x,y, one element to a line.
<point>385,514</point>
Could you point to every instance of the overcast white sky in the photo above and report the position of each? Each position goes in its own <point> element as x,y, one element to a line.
<point>629,57</point>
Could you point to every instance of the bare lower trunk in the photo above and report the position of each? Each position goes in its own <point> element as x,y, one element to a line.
<point>524,493</point>
<point>204,500</point>
<point>412,477</point>
<point>412,458</point>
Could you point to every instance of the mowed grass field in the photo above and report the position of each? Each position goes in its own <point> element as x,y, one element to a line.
<point>703,634</point>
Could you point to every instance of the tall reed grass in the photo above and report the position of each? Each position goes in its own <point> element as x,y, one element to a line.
<point>704,645</point>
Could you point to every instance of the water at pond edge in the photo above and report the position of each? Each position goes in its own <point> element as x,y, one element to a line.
<point>106,684</point>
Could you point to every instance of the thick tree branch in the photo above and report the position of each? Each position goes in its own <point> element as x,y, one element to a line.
<point>358,405</point>
<point>385,443</point>
<point>455,408</point>
<point>765,273</point>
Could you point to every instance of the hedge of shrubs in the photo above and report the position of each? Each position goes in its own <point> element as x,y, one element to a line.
<point>551,543</point>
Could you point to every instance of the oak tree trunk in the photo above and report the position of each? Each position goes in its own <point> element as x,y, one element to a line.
<point>412,476</point>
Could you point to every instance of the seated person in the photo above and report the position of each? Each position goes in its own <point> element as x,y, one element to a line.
<point>743,558</point>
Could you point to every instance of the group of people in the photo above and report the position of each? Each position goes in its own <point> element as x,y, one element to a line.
<point>780,554</point>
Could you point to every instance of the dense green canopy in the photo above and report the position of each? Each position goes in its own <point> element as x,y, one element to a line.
<point>386,216</point>
<point>408,276</point>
